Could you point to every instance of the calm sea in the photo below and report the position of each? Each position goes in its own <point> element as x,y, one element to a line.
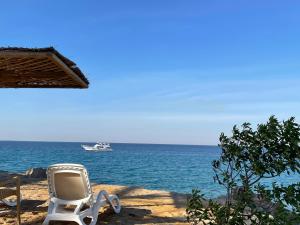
<point>178,168</point>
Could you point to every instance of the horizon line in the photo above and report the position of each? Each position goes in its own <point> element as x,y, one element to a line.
<point>142,143</point>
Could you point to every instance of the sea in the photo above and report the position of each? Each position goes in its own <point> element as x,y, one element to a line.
<point>176,168</point>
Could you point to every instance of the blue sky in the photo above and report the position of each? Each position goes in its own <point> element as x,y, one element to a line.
<point>160,71</point>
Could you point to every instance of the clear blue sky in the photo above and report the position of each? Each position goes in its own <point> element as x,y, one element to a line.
<point>160,71</point>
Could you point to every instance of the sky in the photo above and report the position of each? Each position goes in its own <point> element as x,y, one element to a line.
<point>160,71</point>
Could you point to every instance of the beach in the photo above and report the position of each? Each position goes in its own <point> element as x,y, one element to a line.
<point>139,206</point>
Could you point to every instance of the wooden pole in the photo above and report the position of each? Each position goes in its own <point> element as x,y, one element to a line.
<point>18,182</point>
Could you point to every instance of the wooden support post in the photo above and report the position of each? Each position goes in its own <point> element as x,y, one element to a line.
<point>18,184</point>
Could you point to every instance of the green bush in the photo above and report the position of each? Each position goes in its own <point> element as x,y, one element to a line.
<point>248,157</point>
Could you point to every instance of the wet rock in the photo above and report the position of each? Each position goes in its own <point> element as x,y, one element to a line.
<point>39,173</point>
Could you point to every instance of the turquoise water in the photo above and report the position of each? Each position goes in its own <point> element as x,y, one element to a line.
<point>178,168</point>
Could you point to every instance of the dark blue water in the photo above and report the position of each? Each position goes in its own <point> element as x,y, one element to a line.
<point>178,168</point>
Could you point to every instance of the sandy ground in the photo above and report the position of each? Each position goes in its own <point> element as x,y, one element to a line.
<point>139,206</point>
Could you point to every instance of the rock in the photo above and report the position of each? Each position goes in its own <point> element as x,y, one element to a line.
<point>39,173</point>
<point>261,204</point>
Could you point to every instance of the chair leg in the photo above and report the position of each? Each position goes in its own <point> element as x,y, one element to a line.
<point>116,208</point>
<point>94,218</point>
<point>79,221</point>
<point>46,221</point>
<point>93,222</point>
<point>109,199</point>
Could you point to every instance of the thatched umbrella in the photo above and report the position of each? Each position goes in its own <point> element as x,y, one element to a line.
<point>36,68</point>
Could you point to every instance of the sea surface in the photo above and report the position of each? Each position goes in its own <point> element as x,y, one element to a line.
<point>178,168</point>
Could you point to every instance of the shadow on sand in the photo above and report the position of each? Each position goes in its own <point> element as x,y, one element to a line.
<point>138,211</point>
<point>128,216</point>
<point>179,200</point>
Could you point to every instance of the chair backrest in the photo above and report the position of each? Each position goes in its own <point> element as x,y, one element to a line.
<point>68,182</point>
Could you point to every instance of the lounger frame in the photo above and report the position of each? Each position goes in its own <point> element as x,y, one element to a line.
<point>86,207</point>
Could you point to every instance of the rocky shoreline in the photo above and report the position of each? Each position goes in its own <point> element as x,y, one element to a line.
<point>140,206</point>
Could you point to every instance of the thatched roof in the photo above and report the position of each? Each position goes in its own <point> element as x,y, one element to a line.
<point>38,68</point>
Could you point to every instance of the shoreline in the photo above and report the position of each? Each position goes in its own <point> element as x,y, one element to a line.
<point>4,174</point>
<point>139,205</point>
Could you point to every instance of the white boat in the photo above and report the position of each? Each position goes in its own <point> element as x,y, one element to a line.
<point>99,146</point>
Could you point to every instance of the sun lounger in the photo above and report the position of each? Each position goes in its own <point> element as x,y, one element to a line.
<point>71,197</point>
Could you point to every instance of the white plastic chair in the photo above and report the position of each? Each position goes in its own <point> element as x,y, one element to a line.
<point>68,186</point>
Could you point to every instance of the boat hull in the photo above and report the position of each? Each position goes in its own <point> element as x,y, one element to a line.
<point>91,148</point>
